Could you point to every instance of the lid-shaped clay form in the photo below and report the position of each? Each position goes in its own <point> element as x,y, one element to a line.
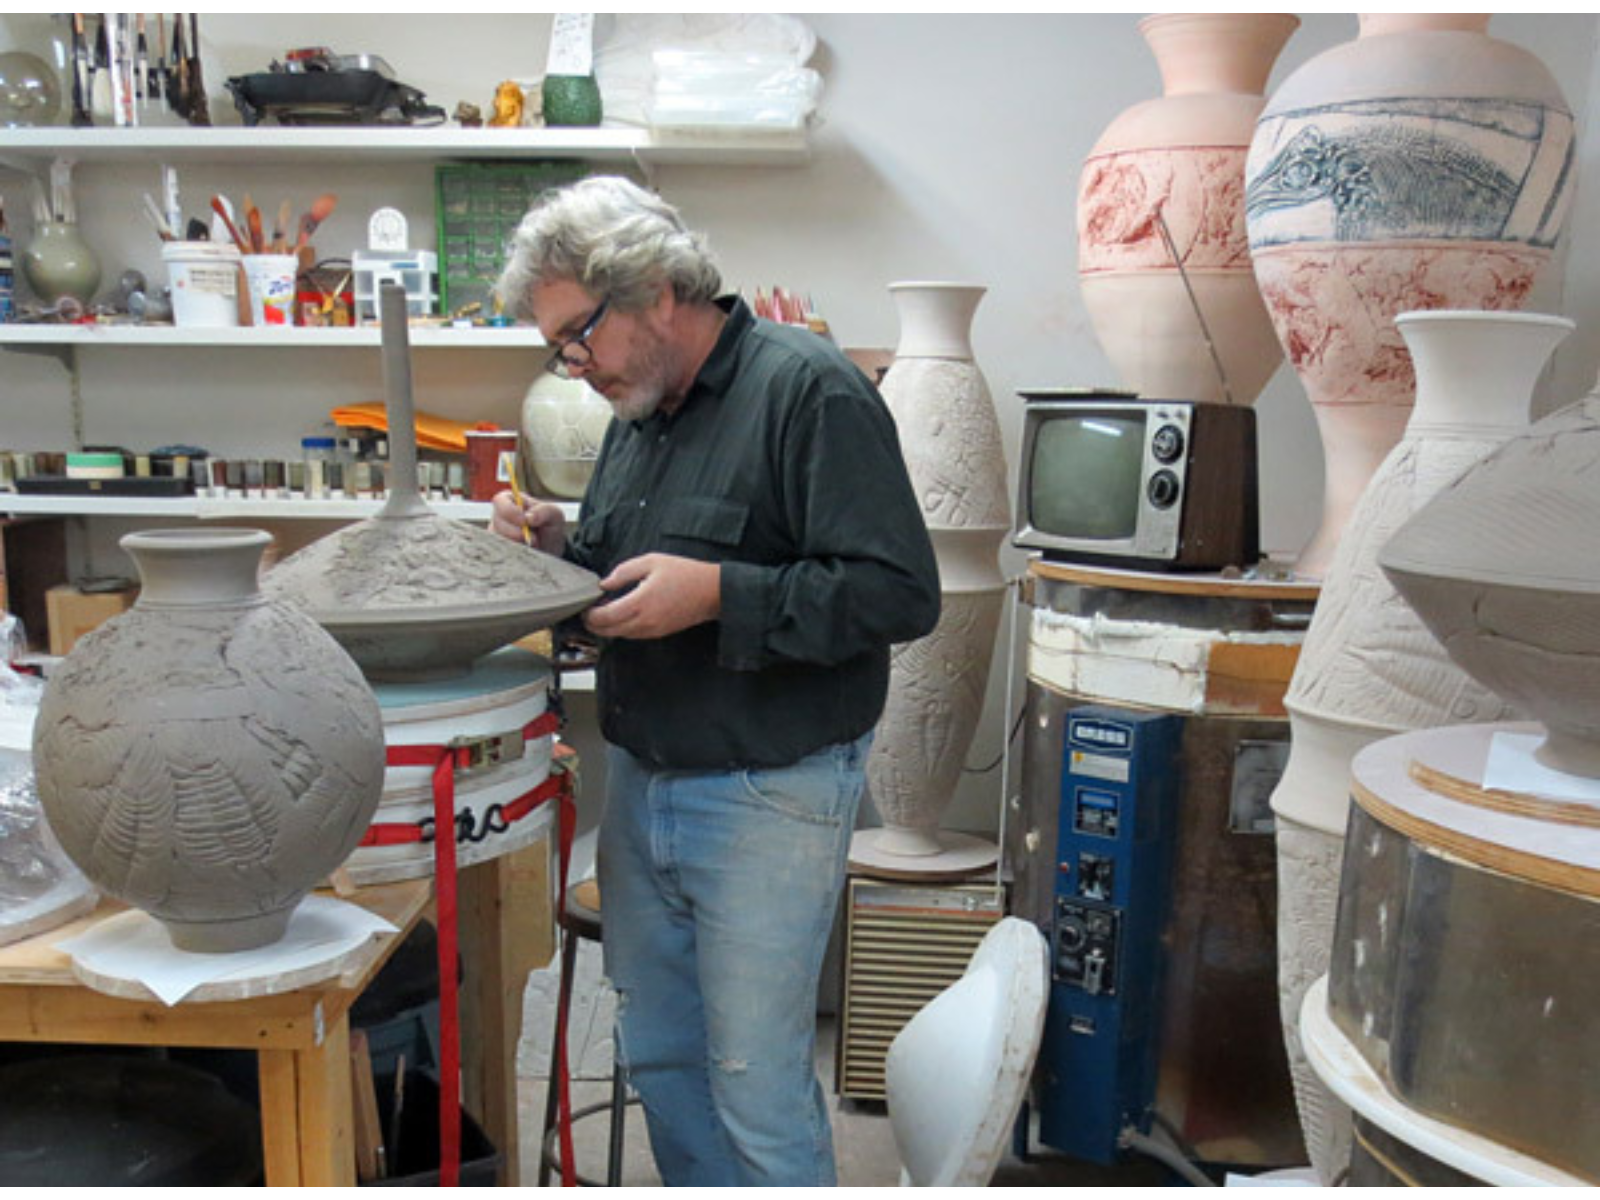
<point>408,593</point>
<point>1504,567</point>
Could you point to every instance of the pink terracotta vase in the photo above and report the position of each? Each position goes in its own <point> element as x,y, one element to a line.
<point>1424,165</point>
<point>1180,158</point>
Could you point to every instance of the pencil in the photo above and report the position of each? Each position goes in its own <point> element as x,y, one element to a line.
<point>509,458</point>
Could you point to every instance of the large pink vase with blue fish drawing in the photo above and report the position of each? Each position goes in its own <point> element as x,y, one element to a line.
<point>1424,165</point>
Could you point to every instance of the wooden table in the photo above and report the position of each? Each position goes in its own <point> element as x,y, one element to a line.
<point>302,1038</point>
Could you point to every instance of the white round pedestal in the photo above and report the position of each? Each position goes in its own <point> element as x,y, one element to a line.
<point>960,855</point>
<point>1348,1076</point>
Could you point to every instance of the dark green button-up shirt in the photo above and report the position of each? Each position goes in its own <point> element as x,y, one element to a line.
<point>783,465</point>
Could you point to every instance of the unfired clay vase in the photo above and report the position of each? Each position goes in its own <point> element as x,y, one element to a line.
<point>951,441</point>
<point>1368,668</point>
<point>208,755</point>
<point>1504,567</point>
<point>410,594</point>
<point>1181,155</point>
<point>1424,165</point>
<point>563,423</point>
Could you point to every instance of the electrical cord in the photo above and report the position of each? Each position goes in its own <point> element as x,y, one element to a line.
<point>1167,1156</point>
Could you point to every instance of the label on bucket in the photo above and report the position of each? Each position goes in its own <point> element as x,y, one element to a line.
<point>200,277</point>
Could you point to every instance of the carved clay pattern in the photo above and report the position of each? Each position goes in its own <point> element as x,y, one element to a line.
<point>1198,190</point>
<point>1448,169</point>
<point>1309,863</point>
<point>424,561</point>
<point>1367,655</point>
<point>936,690</point>
<point>1334,307</point>
<point>209,765</point>
<point>951,441</point>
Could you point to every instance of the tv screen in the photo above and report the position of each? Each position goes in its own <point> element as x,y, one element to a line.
<point>1085,476</point>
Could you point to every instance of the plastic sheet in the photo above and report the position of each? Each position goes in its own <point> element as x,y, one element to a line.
<point>39,886</point>
<point>625,45</point>
<point>699,88</point>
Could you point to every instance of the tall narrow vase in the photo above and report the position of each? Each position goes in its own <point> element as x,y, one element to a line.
<point>951,440</point>
<point>1179,158</point>
<point>1369,667</point>
<point>208,755</point>
<point>1423,165</point>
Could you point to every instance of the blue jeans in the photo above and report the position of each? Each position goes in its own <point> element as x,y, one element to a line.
<point>719,890</point>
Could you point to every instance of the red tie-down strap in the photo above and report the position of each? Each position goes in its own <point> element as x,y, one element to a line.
<point>445,761</point>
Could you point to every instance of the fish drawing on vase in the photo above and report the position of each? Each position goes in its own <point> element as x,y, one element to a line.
<point>1424,165</point>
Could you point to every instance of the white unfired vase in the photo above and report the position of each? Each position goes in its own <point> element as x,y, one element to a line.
<point>950,437</point>
<point>1369,668</point>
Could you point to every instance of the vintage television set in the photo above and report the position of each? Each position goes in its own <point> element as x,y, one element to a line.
<point>1112,479</point>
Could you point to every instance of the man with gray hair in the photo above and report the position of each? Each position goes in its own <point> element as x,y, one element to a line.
<point>753,523</point>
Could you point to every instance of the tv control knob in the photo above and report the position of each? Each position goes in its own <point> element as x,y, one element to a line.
<point>1163,489</point>
<point>1167,443</point>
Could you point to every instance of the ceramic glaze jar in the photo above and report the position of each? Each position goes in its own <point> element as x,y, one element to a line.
<point>209,755</point>
<point>1423,165</point>
<point>1179,158</point>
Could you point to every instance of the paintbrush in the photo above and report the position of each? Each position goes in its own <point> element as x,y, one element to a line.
<point>321,208</point>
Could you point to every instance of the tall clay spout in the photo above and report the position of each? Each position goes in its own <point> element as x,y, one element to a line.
<point>404,498</point>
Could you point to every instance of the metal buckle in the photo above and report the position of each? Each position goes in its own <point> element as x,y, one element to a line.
<point>484,753</point>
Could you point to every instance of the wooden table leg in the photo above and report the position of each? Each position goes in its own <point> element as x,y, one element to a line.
<point>305,1112</point>
<point>280,1118</point>
<point>506,930</point>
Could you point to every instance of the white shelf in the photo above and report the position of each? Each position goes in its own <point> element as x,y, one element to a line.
<point>518,337</point>
<point>224,509</point>
<point>271,143</point>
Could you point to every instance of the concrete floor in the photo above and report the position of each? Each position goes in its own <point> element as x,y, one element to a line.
<point>863,1142</point>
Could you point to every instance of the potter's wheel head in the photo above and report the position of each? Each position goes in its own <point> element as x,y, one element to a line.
<point>421,596</point>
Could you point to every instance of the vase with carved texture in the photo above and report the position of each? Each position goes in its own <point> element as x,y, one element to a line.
<point>1369,667</point>
<point>208,755</point>
<point>950,437</point>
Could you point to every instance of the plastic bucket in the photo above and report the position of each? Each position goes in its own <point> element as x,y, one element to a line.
<point>205,282</point>
<point>271,278</point>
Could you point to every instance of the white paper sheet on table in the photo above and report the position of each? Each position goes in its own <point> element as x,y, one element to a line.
<point>1512,767</point>
<point>320,929</point>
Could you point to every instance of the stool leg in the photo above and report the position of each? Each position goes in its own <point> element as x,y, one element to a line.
<point>569,956</point>
<point>619,1115</point>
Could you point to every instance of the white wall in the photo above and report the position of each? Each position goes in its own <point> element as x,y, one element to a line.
<point>949,148</point>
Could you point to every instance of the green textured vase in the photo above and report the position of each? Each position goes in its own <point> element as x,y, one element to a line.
<point>571,100</point>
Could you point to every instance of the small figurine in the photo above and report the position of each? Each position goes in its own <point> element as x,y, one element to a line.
<point>470,115</point>
<point>507,105</point>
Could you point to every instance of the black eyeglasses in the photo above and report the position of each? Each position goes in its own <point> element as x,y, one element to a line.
<point>574,353</point>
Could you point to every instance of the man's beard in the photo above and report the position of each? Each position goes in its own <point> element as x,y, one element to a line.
<point>648,372</point>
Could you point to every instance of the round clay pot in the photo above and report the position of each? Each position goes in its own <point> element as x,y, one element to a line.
<point>1180,158</point>
<point>1504,568</point>
<point>208,755</point>
<point>58,262</point>
<point>1423,165</point>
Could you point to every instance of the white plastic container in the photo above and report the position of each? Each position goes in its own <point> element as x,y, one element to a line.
<point>271,278</point>
<point>205,283</point>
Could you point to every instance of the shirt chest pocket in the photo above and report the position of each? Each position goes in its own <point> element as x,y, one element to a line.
<point>703,527</point>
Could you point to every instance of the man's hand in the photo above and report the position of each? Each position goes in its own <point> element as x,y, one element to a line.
<point>545,524</point>
<point>656,595</point>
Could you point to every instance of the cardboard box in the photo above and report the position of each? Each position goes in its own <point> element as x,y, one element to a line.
<point>73,613</point>
<point>33,559</point>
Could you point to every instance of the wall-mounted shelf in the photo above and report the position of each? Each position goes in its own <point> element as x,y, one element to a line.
<point>520,337</point>
<point>228,509</point>
<point>264,143</point>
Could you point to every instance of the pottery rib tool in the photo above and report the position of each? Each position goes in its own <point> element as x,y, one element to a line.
<point>221,209</point>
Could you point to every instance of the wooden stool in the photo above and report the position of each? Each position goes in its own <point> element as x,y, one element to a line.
<point>580,919</point>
